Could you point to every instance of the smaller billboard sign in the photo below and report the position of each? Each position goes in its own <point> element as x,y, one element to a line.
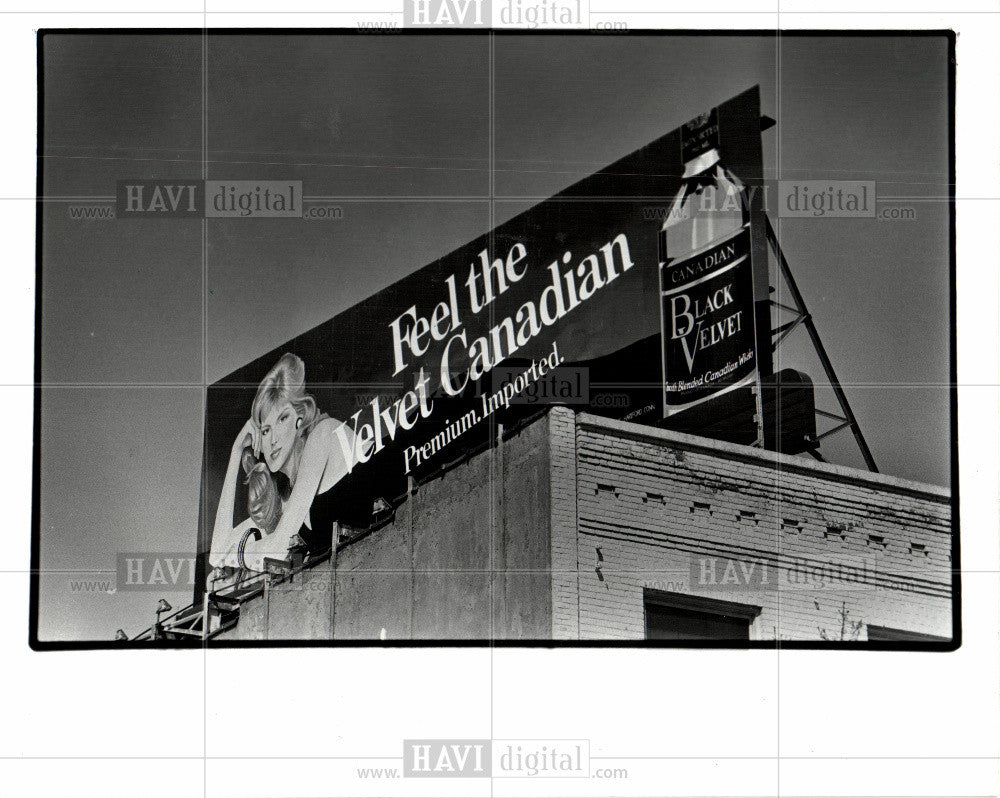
<point>707,312</point>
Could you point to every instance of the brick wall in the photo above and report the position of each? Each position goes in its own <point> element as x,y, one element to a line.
<point>563,525</point>
<point>683,514</point>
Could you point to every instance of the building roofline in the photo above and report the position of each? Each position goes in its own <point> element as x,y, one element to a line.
<point>749,453</point>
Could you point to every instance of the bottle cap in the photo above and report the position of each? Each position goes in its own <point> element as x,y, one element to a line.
<point>700,136</point>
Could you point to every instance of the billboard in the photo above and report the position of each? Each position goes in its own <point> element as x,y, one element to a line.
<point>565,294</point>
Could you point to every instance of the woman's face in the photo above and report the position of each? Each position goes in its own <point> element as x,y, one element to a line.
<point>277,435</point>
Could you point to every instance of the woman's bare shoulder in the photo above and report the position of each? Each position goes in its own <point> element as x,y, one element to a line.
<point>325,433</point>
<point>325,427</point>
<point>339,438</point>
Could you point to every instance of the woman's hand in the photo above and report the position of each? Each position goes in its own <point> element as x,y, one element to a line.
<point>248,436</point>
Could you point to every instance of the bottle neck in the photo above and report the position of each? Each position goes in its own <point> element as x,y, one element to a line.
<point>696,166</point>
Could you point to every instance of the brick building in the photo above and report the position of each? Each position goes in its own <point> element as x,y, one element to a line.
<point>577,527</point>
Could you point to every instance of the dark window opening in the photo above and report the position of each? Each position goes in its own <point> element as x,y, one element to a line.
<point>677,616</point>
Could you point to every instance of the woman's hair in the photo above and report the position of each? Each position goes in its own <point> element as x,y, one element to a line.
<point>285,382</point>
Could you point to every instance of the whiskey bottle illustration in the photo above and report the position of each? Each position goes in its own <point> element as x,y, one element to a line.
<point>706,282</point>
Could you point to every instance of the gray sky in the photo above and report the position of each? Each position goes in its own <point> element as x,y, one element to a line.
<point>131,334</point>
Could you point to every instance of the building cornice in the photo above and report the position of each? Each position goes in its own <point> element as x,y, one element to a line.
<point>782,462</point>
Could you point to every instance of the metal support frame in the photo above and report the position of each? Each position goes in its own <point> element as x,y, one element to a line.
<point>803,317</point>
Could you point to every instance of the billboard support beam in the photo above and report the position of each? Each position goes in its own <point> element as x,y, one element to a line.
<point>806,318</point>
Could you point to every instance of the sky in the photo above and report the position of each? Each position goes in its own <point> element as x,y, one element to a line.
<point>137,317</point>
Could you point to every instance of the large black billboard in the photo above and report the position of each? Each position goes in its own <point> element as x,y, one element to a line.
<point>410,375</point>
